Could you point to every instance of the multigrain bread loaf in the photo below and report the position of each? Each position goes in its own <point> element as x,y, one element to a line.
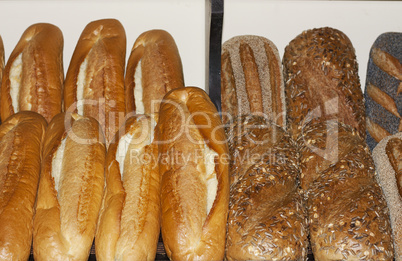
<point>193,167</point>
<point>33,77</point>
<point>348,215</point>
<point>129,220</point>
<point>251,79</point>
<point>267,219</point>
<point>70,188</point>
<point>387,158</point>
<point>94,84</point>
<point>383,88</point>
<point>322,81</point>
<point>153,69</point>
<point>20,144</point>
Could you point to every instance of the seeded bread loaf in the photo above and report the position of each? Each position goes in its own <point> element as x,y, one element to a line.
<point>348,215</point>
<point>387,158</point>
<point>383,88</point>
<point>267,219</point>
<point>322,80</point>
<point>252,81</point>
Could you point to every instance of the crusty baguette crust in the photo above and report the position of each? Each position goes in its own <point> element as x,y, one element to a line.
<point>252,81</point>
<point>189,121</point>
<point>103,44</point>
<point>20,144</point>
<point>65,219</point>
<point>41,46</point>
<point>129,220</point>
<point>322,81</point>
<point>267,218</point>
<point>387,177</point>
<point>161,69</point>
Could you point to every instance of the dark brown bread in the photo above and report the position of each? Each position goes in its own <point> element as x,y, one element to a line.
<point>267,219</point>
<point>322,81</point>
<point>348,215</point>
<point>252,81</point>
<point>21,136</point>
<point>33,77</point>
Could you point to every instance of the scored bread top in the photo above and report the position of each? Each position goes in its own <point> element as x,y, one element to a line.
<point>191,137</point>
<point>153,69</point>
<point>33,77</point>
<point>94,84</point>
<point>322,81</point>
<point>21,137</point>
<point>252,80</point>
<point>70,189</point>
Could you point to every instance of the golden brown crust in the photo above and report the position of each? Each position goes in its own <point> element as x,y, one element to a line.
<point>252,81</point>
<point>1,61</point>
<point>103,45</point>
<point>394,153</point>
<point>316,59</point>
<point>348,215</point>
<point>69,197</point>
<point>264,165</point>
<point>20,143</point>
<point>41,79</point>
<point>161,70</point>
<point>129,220</point>
<point>188,124</point>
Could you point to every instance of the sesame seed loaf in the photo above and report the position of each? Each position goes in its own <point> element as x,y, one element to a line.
<point>267,219</point>
<point>388,176</point>
<point>252,81</point>
<point>383,87</point>
<point>322,81</point>
<point>348,215</point>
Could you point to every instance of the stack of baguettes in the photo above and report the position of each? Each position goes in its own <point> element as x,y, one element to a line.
<point>324,154</point>
<point>88,172</point>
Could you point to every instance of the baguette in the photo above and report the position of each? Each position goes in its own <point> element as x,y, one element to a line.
<point>1,61</point>
<point>129,221</point>
<point>387,159</point>
<point>348,215</point>
<point>383,88</point>
<point>153,69</point>
<point>20,143</point>
<point>94,84</point>
<point>194,176</point>
<point>267,218</point>
<point>252,81</point>
<point>70,188</point>
<point>33,77</point>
